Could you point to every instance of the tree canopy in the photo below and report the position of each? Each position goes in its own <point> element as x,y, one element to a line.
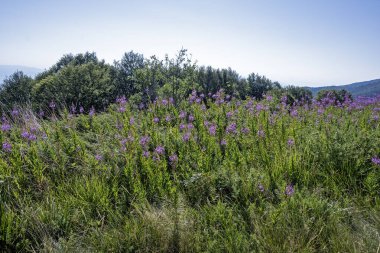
<point>84,80</point>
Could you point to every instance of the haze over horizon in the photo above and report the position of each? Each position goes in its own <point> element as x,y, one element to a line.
<point>294,42</point>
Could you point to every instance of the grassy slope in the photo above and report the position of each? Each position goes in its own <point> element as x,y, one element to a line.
<point>87,186</point>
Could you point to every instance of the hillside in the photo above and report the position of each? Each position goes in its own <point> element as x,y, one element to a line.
<point>7,70</point>
<point>367,88</point>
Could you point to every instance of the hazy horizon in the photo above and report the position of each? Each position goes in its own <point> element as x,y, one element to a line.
<point>305,44</point>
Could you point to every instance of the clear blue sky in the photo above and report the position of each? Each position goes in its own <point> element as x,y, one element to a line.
<point>303,42</point>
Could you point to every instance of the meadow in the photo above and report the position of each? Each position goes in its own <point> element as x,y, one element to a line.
<point>209,174</point>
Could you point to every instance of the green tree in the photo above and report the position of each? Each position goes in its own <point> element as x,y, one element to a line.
<point>148,80</point>
<point>180,75</point>
<point>125,73</point>
<point>299,94</point>
<point>258,85</point>
<point>88,85</point>
<point>70,59</point>
<point>16,90</point>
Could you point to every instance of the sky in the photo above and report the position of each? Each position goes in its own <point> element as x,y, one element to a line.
<point>295,42</point>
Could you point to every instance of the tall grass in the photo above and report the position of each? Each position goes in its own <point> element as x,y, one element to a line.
<point>216,176</point>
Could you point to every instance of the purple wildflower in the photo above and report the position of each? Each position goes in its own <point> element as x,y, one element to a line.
<point>160,150</point>
<point>121,109</point>
<point>219,101</point>
<point>73,109</point>
<point>190,126</point>
<point>121,100</point>
<point>156,120</point>
<point>294,113</point>
<point>212,130</point>
<point>25,135</point>
<point>375,160</point>
<point>92,111</point>
<point>192,98</point>
<point>231,128</point>
<point>223,142</point>
<point>290,142</point>
<point>245,130</point>
<point>124,141</point>
<point>165,102</point>
<point>146,153</point>
<point>261,133</point>
<point>173,159</point>
<point>41,113</point>
<point>186,137</point>
<point>168,118</point>
<point>144,140</point>
<point>32,137</point>
<point>191,118</point>
<point>182,127</point>
<point>7,147</point>
<point>98,157</point>
<point>52,105</point>
<point>182,115</point>
<point>81,110</point>
<point>5,127</point>
<point>132,121</point>
<point>289,190</point>
<point>284,99</point>
<point>15,112</point>
<point>229,114</point>
<point>259,107</point>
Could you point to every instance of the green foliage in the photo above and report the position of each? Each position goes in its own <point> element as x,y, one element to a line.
<point>335,96</point>
<point>84,80</point>
<point>180,75</point>
<point>299,94</point>
<point>279,182</point>
<point>88,85</point>
<point>259,85</point>
<point>70,59</point>
<point>16,90</point>
<point>125,73</point>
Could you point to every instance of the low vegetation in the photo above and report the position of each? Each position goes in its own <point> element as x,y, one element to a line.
<point>205,173</point>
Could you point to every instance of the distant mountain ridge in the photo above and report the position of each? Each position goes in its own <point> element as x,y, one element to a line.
<point>7,70</point>
<point>367,88</point>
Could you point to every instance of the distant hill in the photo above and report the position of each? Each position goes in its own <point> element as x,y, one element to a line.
<point>7,70</point>
<point>367,88</point>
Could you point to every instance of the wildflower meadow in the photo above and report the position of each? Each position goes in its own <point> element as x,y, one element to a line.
<point>211,173</point>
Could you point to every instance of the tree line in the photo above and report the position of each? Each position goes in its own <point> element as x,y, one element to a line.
<point>83,80</point>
